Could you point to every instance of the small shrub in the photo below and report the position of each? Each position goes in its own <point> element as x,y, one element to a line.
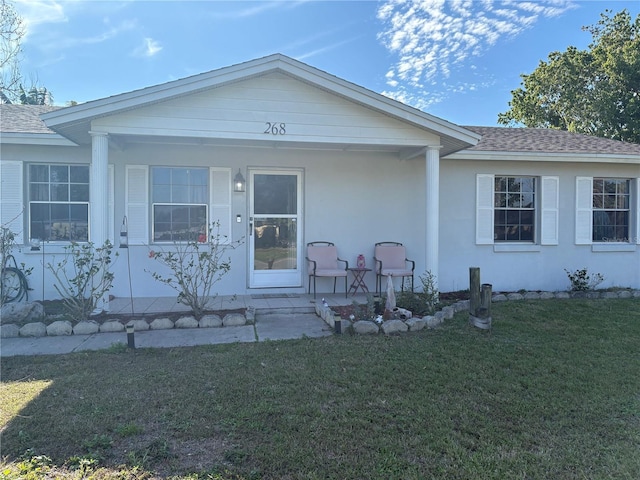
<point>83,277</point>
<point>424,302</point>
<point>196,266</point>
<point>582,281</point>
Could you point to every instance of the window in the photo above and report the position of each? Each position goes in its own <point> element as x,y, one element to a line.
<point>179,203</point>
<point>59,202</point>
<point>611,209</point>
<point>514,209</point>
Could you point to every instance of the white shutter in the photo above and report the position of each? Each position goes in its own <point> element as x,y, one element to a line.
<point>549,210</point>
<point>221,201</point>
<point>584,210</point>
<point>11,193</point>
<point>484,209</point>
<point>137,204</point>
<point>110,195</point>
<point>638,211</point>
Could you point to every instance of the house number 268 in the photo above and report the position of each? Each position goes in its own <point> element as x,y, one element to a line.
<point>275,128</point>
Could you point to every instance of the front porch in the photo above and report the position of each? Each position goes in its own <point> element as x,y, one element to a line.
<point>286,303</point>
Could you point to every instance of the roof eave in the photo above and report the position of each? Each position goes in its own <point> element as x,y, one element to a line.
<point>61,120</point>
<point>576,157</point>
<point>46,139</point>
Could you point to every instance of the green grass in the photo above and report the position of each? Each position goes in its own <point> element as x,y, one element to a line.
<point>552,392</point>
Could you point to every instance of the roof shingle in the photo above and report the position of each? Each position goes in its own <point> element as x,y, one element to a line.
<point>546,140</point>
<point>24,118</point>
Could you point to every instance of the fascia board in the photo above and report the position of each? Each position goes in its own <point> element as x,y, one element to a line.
<point>36,139</point>
<point>379,102</point>
<point>544,157</point>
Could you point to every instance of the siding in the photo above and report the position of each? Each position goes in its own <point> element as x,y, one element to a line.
<point>242,110</point>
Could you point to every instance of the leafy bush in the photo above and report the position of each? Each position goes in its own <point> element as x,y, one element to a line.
<point>83,277</point>
<point>424,302</point>
<point>581,280</point>
<point>196,266</point>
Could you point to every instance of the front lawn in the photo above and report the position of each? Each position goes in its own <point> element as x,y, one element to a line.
<point>552,392</point>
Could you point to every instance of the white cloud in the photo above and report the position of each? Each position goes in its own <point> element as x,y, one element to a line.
<point>149,48</point>
<point>432,37</point>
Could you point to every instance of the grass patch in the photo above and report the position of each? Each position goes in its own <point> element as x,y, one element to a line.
<point>552,392</point>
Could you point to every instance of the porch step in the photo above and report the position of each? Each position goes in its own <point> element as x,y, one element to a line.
<point>284,310</point>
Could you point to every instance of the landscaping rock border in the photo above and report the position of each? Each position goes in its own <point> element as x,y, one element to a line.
<point>371,327</point>
<point>161,322</point>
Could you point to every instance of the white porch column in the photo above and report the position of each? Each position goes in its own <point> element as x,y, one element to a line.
<point>432,209</point>
<point>99,197</point>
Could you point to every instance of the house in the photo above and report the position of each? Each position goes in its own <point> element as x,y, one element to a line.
<point>319,158</point>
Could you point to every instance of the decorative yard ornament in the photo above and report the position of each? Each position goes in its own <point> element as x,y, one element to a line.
<point>361,262</point>
<point>391,294</point>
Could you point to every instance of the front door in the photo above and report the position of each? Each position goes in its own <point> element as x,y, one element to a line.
<point>275,228</point>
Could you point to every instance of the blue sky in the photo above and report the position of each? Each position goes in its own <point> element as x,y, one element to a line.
<point>458,60</point>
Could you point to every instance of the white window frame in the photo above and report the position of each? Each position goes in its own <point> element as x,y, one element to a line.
<point>547,213</point>
<point>584,215</point>
<point>138,202</point>
<point>30,202</point>
<point>155,204</point>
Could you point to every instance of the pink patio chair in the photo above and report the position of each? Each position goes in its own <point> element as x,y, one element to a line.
<point>322,261</point>
<point>390,258</point>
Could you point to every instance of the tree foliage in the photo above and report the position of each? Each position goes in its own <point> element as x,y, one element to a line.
<point>11,32</point>
<point>594,91</point>
<point>12,90</point>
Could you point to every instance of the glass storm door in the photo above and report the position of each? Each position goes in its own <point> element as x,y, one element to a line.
<point>275,229</point>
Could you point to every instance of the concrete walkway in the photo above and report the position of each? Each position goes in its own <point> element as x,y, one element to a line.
<point>267,327</point>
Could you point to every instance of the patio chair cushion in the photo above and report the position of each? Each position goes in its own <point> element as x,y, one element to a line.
<point>393,260</point>
<point>326,258</point>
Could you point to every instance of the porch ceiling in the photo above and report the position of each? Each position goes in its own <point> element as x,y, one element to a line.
<point>404,152</point>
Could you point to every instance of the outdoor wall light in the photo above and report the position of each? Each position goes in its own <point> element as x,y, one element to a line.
<point>35,244</point>
<point>239,183</point>
<point>124,233</point>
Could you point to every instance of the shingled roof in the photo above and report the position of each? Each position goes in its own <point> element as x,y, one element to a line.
<point>24,118</point>
<point>546,140</point>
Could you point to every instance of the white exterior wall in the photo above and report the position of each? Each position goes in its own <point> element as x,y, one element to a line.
<point>531,270</point>
<point>353,199</point>
<point>242,110</point>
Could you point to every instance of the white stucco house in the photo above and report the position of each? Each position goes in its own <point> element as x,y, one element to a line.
<point>322,159</point>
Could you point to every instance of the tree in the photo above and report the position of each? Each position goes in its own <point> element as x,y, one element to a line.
<point>594,91</point>
<point>11,33</point>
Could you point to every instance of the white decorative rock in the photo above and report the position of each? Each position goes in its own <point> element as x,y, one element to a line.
<point>111,326</point>
<point>59,328</point>
<point>139,325</point>
<point>515,296</point>
<point>546,295</point>
<point>234,320</point>
<point>461,306</point>
<point>187,322</point>
<point>624,294</point>
<point>86,327</point>
<point>9,331</point>
<point>162,323</point>
<point>392,326</point>
<point>365,327</point>
<point>432,321</point>
<point>35,329</point>
<point>501,297</point>
<point>415,324</point>
<point>210,321</point>
<point>532,296</point>
<point>448,312</point>
<point>22,312</point>
<point>563,295</point>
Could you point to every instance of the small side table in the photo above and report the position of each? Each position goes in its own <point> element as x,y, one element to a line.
<point>358,280</point>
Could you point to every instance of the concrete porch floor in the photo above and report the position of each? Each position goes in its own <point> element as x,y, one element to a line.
<point>263,303</point>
